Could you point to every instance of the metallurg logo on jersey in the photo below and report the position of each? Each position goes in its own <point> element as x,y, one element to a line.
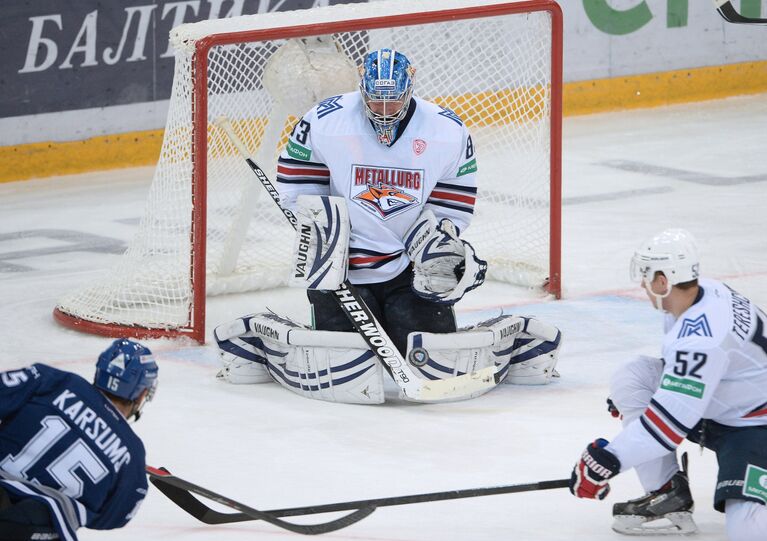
<point>386,191</point>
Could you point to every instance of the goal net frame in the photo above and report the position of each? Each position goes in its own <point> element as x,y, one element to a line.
<point>195,329</point>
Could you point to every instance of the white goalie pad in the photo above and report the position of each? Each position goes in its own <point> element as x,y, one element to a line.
<point>525,349</point>
<point>321,246</point>
<point>241,354</point>
<point>323,365</point>
<point>532,358</point>
<point>441,356</point>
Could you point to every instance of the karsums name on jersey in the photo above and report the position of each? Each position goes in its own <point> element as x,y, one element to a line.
<point>94,427</point>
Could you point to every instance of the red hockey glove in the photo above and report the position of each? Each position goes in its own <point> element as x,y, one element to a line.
<point>593,470</point>
<point>612,410</point>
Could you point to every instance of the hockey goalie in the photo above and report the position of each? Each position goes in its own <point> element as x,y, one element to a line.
<point>381,183</point>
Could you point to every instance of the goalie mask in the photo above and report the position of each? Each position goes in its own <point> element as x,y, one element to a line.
<point>386,86</point>
<point>672,252</point>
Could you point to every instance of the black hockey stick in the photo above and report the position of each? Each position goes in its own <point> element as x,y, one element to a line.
<point>205,514</point>
<point>365,323</point>
<point>170,484</point>
<point>728,13</point>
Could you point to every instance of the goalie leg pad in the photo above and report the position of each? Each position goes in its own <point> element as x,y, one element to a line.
<point>527,346</point>
<point>534,361</point>
<point>323,365</point>
<point>242,358</point>
<point>439,356</point>
<point>524,348</point>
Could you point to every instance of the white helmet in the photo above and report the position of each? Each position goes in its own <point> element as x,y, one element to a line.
<point>672,252</point>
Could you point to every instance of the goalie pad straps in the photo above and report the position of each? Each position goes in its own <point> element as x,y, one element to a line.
<point>321,245</point>
<point>323,365</point>
<point>445,267</point>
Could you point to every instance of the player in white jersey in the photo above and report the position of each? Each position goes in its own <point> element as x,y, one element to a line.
<point>381,184</point>
<point>709,387</point>
<point>405,167</point>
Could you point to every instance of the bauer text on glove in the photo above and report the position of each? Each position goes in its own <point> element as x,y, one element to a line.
<point>593,471</point>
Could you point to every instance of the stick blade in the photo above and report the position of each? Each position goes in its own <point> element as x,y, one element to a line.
<point>457,388</point>
<point>729,14</point>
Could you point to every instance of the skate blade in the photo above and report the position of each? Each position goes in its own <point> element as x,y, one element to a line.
<point>670,524</point>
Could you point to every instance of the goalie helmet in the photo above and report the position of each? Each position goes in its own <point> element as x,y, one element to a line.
<point>125,369</point>
<point>672,252</point>
<point>386,85</point>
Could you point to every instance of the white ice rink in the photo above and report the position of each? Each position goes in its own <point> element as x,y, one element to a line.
<point>626,176</point>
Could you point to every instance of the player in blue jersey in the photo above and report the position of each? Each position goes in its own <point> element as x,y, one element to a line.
<point>68,457</point>
<point>708,387</point>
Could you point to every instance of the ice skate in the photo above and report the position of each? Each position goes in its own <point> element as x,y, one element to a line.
<point>667,510</point>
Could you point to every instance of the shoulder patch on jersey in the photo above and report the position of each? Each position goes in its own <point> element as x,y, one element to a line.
<point>686,386</point>
<point>447,113</point>
<point>469,167</point>
<point>298,152</point>
<point>695,327</point>
<point>329,105</point>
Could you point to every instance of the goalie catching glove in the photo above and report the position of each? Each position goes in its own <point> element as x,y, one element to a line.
<point>445,267</point>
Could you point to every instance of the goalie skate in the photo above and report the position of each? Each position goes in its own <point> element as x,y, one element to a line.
<point>665,511</point>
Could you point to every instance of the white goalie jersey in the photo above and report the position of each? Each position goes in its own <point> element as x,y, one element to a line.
<point>715,367</point>
<point>333,150</point>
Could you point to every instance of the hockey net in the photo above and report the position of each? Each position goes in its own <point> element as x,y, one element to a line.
<point>206,228</point>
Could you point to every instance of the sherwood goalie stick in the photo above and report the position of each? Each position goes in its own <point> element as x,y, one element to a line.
<point>365,323</point>
<point>169,484</point>
<point>186,501</point>
<point>728,13</point>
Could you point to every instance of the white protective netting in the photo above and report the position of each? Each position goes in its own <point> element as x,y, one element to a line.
<point>495,72</point>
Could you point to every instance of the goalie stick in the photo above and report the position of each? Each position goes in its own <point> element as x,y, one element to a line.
<point>167,482</point>
<point>729,14</point>
<point>205,514</point>
<point>365,323</point>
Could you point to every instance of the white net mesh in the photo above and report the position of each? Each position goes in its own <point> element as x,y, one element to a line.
<point>495,72</point>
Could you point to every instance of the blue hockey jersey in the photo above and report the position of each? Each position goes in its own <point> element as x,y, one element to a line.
<point>63,443</point>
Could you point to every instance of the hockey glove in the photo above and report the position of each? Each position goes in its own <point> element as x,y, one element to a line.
<point>612,409</point>
<point>445,267</point>
<point>321,245</point>
<point>593,470</point>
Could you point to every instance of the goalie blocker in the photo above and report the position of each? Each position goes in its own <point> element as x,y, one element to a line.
<point>338,366</point>
<point>321,245</point>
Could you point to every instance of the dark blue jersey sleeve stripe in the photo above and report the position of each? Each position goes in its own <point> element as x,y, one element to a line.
<point>679,426</point>
<point>302,180</point>
<point>468,209</point>
<point>654,435</point>
<point>457,187</point>
<point>301,163</point>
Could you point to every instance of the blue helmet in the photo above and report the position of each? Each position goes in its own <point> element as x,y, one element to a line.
<point>125,369</point>
<point>386,85</point>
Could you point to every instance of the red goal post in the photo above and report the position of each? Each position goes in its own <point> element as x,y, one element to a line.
<point>206,230</point>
